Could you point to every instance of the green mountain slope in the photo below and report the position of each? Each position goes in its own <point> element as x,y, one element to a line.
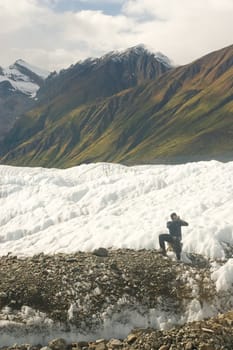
<point>185,113</point>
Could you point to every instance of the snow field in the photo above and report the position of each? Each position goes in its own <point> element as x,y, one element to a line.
<point>110,205</point>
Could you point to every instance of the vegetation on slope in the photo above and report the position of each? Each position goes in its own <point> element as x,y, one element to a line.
<point>185,112</point>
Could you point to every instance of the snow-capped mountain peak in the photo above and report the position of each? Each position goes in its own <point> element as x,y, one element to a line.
<point>38,71</point>
<point>124,55</point>
<point>138,50</point>
<point>23,77</point>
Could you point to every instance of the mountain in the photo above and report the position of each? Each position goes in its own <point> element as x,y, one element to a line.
<point>86,83</point>
<point>18,86</point>
<point>97,78</point>
<point>23,77</point>
<point>129,107</point>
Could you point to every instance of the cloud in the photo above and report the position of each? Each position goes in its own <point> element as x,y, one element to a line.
<point>103,1</point>
<point>182,29</point>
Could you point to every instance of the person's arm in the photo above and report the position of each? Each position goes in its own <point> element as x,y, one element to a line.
<point>183,223</point>
<point>169,224</point>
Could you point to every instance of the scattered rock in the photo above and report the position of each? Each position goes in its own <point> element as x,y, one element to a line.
<point>131,338</point>
<point>57,344</point>
<point>164,347</point>
<point>76,290</point>
<point>102,252</point>
<point>189,346</point>
<point>100,346</point>
<point>114,344</point>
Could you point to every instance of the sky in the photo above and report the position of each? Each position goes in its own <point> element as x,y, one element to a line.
<point>53,34</point>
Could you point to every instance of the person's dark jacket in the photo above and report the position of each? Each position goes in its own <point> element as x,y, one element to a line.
<point>174,228</point>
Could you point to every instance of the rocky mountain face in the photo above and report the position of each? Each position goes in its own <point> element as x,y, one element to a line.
<point>18,86</point>
<point>91,295</point>
<point>96,79</point>
<point>12,104</point>
<point>86,84</point>
<point>130,108</point>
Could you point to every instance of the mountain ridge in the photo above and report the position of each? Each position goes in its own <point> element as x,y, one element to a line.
<point>104,76</point>
<point>19,84</point>
<point>178,113</point>
<point>24,77</point>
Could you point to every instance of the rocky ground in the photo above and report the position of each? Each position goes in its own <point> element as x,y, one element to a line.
<point>89,290</point>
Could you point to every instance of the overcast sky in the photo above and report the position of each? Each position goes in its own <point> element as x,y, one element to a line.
<point>54,34</point>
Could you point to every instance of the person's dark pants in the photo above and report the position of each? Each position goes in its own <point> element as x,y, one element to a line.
<point>175,243</point>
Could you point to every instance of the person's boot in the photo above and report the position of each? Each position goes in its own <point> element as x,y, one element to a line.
<point>163,252</point>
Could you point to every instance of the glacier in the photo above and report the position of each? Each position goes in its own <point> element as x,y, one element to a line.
<point>111,205</point>
<point>114,206</point>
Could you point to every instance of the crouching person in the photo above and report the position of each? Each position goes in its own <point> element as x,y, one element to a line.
<point>174,237</point>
